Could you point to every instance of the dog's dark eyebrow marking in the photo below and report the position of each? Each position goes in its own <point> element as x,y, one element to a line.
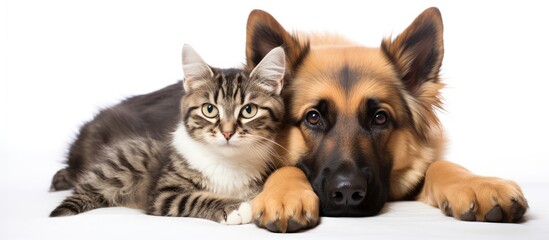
<point>323,106</point>
<point>347,77</point>
<point>328,112</point>
<point>372,105</point>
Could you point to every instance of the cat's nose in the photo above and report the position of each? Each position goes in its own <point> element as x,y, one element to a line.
<point>227,135</point>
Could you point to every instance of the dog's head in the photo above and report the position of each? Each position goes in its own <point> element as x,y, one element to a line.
<point>359,119</point>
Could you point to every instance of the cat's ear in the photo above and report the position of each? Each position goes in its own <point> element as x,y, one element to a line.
<point>197,72</point>
<point>270,71</point>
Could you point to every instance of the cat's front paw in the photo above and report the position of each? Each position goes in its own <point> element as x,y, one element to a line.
<point>287,202</point>
<point>483,199</point>
<point>242,215</point>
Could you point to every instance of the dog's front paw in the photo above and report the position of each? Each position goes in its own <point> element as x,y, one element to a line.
<point>287,203</point>
<point>484,199</point>
<point>287,211</point>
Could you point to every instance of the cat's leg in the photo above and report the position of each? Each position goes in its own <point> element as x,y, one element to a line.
<point>61,180</point>
<point>178,202</point>
<point>104,185</point>
<point>241,215</point>
<point>119,176</point>
<point>98,187</point>
<point>178,192</point>
<point>80,155</point>
<point>82,200</point>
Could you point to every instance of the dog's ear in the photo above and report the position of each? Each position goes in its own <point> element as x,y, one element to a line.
<point>417,56</point>
<point>263,33</point>
<point>418,51</point>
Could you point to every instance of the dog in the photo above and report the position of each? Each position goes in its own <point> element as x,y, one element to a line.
<point>361,129</point>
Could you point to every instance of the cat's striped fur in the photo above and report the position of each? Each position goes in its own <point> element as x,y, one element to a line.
<point>198,149</point>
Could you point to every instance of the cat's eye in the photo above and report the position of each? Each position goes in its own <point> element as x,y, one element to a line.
<point>209,110</point>
<point>249,111</point>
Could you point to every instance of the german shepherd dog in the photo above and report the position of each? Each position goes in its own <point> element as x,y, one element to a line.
<point>361,129</point>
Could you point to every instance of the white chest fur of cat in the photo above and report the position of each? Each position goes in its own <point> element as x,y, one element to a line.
<point>229,169</point>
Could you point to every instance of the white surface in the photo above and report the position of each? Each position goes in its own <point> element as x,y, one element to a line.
<point>26,219</point>
<point>63,60</point>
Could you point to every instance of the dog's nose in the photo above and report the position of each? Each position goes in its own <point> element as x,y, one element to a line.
<point>347,191</point>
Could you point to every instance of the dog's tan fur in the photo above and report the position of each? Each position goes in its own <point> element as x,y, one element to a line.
<point>288,203</point>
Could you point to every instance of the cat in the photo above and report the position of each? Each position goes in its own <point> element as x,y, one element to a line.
<point>198,149</point>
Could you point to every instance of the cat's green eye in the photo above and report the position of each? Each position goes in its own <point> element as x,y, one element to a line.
<point>249,111</point>
<point>209,110</point>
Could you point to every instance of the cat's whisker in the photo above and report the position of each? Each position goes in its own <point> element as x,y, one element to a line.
<point>266,147</point>
<point>275,156</point>
<point>262,149</point>
<point>279,157</point>
<point>260,154</point>
<point>269,140</point>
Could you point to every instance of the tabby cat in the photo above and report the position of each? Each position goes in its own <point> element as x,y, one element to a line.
<point>200,150</point>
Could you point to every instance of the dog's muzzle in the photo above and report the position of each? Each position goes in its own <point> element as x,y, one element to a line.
<point>348,191</point>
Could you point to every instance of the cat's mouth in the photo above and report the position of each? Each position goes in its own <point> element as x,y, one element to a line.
<point>232,142</point>
<point>229,144</point>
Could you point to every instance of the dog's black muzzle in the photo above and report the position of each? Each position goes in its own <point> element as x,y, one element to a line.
<point>348,190</point>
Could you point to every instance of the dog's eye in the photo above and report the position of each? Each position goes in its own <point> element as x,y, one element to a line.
<point>313,117</point>
<point>380,118</point>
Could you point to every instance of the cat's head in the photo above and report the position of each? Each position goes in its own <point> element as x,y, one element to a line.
<point>233,107</point>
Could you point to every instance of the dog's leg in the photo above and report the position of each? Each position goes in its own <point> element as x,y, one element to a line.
<point>287,202</point>
<point>469,197</point>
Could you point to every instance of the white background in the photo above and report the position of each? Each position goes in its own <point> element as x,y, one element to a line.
<point>64,60</point>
